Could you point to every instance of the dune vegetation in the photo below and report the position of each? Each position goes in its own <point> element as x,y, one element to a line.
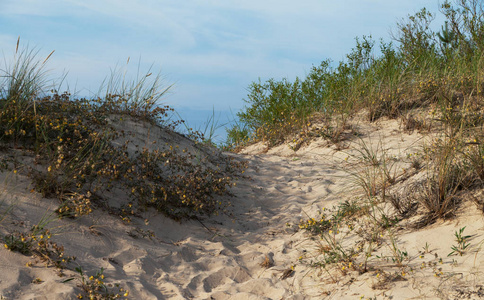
<point>420,68</point>
<point>429,80</point>
<point>80,151</point>
<point>433,83</point>
<point>86,152</point>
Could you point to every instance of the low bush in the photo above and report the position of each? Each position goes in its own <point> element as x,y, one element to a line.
<point>76,155</point>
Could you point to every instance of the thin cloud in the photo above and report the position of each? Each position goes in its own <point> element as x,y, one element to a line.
<point>209,39</point>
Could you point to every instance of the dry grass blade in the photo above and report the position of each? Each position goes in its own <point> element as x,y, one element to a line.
<point>287,273</point>
<point>48,56</point>
<point>267,263</point>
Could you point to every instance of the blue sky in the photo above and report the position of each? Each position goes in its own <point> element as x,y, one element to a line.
<point>211,50</point>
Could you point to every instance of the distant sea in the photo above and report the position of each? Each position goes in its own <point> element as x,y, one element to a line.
<point>201,120</point>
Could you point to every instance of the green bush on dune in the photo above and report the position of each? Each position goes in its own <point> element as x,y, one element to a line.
<point>420,68</point>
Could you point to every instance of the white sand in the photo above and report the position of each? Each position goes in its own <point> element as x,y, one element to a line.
<point>220,257</point>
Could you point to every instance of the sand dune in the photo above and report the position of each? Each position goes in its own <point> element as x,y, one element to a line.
<point>255,249</point>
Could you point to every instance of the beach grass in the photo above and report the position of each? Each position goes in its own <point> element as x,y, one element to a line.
<point>79,150</point>
<point>432,82</point>
<point>419,68</point>
<point>76,159</point>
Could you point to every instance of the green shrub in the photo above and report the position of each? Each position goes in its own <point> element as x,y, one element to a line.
<point>399,77</point>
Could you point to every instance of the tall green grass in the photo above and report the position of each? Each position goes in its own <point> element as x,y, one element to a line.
<point>420,67</point>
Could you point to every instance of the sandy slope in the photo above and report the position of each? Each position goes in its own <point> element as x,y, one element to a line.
<point>220,257</point>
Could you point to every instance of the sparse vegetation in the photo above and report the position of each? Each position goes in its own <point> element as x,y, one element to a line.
<point>421,70</point>
<point>93,287</point>
<point>77,159</point>
<point>38,243</point>
<point>77,155</point>
<point>432,81</point>
<point>462,242</point>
